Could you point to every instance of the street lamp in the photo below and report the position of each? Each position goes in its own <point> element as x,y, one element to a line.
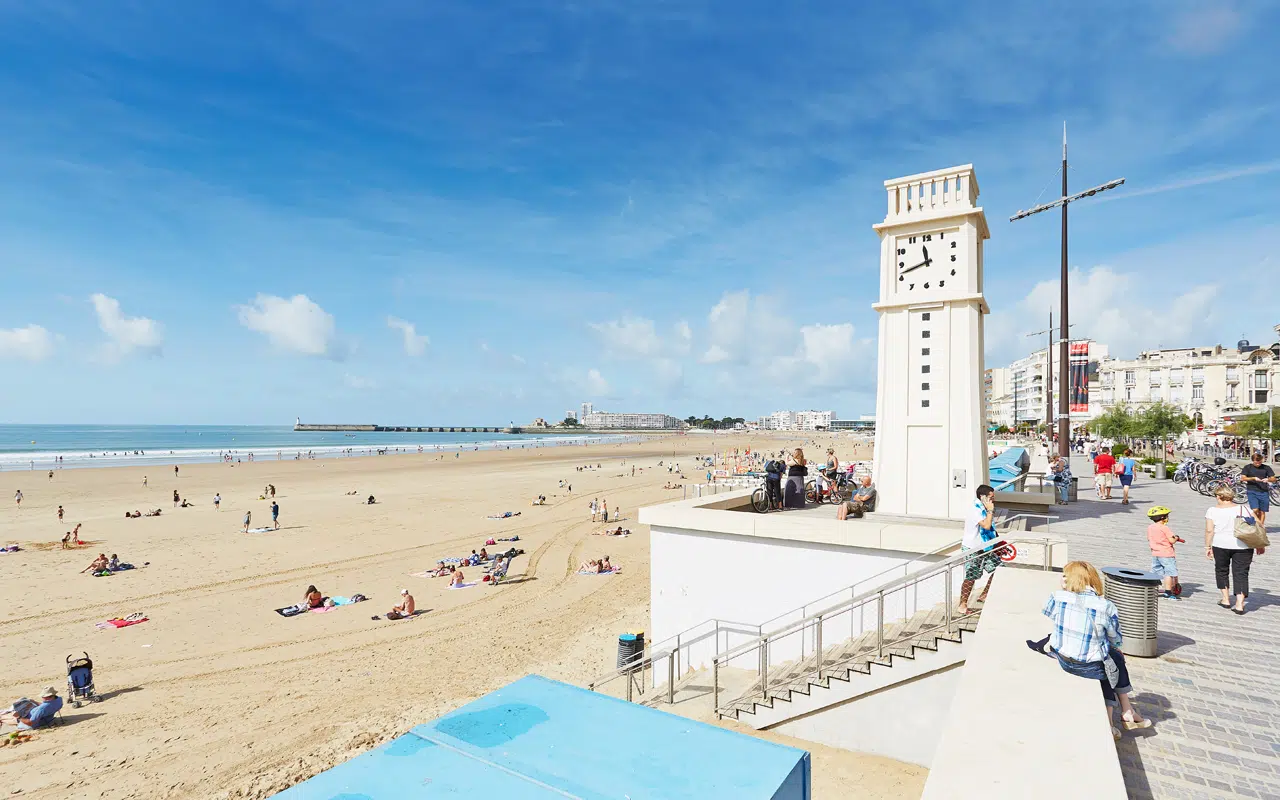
<point>1064,414</point>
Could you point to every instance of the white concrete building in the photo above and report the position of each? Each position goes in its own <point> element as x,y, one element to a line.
<point>997,387</point>
<point>1211,384</point>
<point>603,420</point>
<point>796,421</point>
<point>1024,386</point>
<point>586,409</point>
<point>571,415</point>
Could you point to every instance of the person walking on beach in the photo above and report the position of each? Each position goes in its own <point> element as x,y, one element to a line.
<point>176,499</point>
<point>1259,480</point>
<point>248,515</point>
<point>275,514</point>
<point>1229,554</point>
<point>594,511</point>
<point>605,510</point>
<point>144,480</point>
<point>217,501</point>
<point>17,498</point>
<point>60,513</point>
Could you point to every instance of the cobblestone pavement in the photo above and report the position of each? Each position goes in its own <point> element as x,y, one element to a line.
<point>1214,689</point>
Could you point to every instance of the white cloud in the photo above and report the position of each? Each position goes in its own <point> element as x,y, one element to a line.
<point>684,337</point>
<point>629,337</point>
<point>1120,310</point>
<point>595,384</point>
<point>715,354</point>
<point>357,382</point>
<point>414,343</point>
<point>296,325</point>
<point>1205,30</point>
<point>126,334</point>
<point>32,343</point>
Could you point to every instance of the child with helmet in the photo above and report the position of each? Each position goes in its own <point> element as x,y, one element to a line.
<point>1163,561</point>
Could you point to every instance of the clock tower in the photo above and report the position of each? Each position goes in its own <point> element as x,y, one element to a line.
<point>931,443</point>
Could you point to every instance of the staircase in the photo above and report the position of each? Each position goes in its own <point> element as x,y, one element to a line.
<point>799,687</point>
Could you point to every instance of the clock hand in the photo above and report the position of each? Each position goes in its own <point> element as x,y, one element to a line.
<point>917,266</point>
<point>925,250</point>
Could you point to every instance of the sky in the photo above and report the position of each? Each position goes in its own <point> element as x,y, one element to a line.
<point>420,213</point>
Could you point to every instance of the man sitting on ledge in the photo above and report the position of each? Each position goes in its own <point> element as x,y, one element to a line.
<point>863,500</point>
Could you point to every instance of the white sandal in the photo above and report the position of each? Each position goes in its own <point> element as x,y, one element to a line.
<point>1127,720</point>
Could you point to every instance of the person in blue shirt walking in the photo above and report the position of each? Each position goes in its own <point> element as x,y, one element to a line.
<point>275,514</point>
<point>1128,464</point>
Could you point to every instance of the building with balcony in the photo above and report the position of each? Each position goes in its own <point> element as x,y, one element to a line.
<point>796,421</point>
<point>604,420</point>
<point>1211,384</point>
<point>1026,394</point>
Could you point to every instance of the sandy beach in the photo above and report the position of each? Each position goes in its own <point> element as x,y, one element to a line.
<point>218,696</point>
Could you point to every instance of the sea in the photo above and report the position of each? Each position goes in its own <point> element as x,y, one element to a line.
<point>44,447</point>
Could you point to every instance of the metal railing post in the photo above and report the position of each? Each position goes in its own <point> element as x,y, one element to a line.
<point>817,645</point>
<point>1048,554</point>
<point>764,668</point>
<point>946,606</point>
<point>715,686</point>
<point>630,678</point>
<point>880,624</point>
<point>671,678</point>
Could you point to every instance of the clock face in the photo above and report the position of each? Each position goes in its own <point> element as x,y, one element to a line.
<point>926,261</point>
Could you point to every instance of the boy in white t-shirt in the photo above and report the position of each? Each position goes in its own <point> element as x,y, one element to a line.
<point>979,527</point>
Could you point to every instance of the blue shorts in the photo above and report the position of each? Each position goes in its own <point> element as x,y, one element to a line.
<point>1164,567</point>
<point>1260,501</point>
<point>1126,478</point>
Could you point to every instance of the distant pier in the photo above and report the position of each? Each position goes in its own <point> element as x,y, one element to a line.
<point>403,428</point>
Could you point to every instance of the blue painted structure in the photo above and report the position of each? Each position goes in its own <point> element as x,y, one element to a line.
<point>1008,465</point>
<point>538,738</point>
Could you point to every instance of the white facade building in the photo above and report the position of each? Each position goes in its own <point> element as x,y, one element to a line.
<point>796,421</point>
<point>571,415</point>
<point>586,410</point>
<point>1211,384</point>
<point>1017,393</point>
<point>931,445</point>
<point>997,388</point>
<point>602,420</point>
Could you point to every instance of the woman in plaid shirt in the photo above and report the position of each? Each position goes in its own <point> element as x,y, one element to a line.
<point>1086,639</point>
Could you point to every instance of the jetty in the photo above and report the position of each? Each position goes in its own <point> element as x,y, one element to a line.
<point>301,426</point>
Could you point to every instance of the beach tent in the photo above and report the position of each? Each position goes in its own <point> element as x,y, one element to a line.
<point>538,738</point>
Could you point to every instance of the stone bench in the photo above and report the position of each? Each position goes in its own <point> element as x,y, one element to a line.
<point>1030,502</point>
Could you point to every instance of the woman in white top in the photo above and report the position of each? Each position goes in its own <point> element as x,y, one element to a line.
<point>1229,554</point>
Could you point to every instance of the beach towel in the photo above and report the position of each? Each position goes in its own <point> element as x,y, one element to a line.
<point>453,560</point>
<point>13,548</point>
<point>429,573</point>
<point>342,601</point>
<point>124,623</point>
<point>463,585</point>
<point>323,609</point>
<point>505,515</point>
<point>290,611</point>
<point>258,530</point>
<point>606,572</point>
<point>510,539</point>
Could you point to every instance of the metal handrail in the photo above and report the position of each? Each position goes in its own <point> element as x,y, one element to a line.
<point>762,643</point>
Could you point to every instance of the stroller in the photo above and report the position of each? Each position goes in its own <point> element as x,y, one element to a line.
<point>80,680</point>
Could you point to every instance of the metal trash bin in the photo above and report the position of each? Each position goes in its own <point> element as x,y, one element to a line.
<point>1161,473</point>
<point>630,648</point>
<point>1136,595</point>
<point>1073,492</point>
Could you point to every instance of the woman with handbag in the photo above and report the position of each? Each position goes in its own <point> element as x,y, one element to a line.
<point>1231,537</point>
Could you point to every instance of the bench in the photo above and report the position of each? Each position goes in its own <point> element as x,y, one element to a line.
<point>1019,726</point>
<point>1031,502</point>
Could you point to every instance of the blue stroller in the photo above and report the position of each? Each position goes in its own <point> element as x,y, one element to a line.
<point>80,680</point>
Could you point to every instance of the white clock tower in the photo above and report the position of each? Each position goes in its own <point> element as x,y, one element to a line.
<point>931,443</point>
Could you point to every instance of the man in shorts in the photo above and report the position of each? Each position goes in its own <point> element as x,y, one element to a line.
<point>979,527</point>
<point>1104,467</point>
<point>1259,478</point>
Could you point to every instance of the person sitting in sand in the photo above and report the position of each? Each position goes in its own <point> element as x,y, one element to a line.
<point>30,716</point>
<point>99,565</point>
<point>484,554</point>
<point>371,501</point>
<point>457,580</point>
<point>185,504</point>
<point>605,566</point>
<point>590,566</point>
<point>405,609</point>
<point>313,597</point>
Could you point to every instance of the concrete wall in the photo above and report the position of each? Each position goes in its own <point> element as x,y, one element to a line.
<point>903,720</point>
<point>701,575</point>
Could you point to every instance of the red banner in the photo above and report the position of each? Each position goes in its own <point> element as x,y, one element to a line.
<point>1080,377</point>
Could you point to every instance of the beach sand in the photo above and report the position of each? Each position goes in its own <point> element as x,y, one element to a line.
<point>217,696</point>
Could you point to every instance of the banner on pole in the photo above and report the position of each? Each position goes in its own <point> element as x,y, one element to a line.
<point>1080,377</point>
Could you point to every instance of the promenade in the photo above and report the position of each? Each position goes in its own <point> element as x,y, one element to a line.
<point>1214,689</point>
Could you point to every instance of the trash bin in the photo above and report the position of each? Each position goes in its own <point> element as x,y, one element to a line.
<point>630,648</point>
<point>1136,595</point>
<point>1073,492</point>
<point>1161,473</point>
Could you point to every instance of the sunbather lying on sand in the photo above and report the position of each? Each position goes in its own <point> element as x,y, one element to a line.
<point>155,513</point>
<point>135,515</point>
<point>99,564</point>
<point>618,531</point>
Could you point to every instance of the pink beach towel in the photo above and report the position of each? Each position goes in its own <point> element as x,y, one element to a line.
<point>121,623</point>
<point>322,609</point>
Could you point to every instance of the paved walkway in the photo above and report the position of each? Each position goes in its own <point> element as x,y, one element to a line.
<point>1214,689</point>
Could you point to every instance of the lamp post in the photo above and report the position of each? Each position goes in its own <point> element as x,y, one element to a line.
<point>1064,407</point>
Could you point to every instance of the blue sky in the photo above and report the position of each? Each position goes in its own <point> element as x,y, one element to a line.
<point>425,213</point>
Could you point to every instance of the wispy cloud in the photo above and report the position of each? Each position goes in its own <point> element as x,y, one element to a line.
<point>1205,28</point>
<point>414,343</point>
<point>1199,180</point>
<point>31,343</point>
<point>125,335</point>
<point>293,325</point>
